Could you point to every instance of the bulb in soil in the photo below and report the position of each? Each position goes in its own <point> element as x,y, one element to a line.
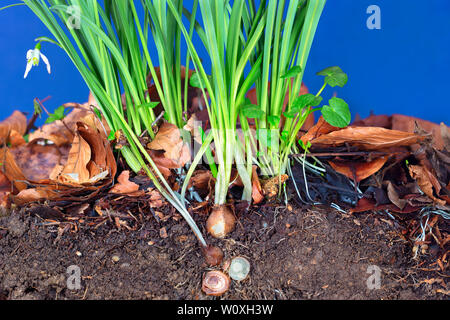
<point>213,255</point>
<point>220,222</point>
<point>215,283</point>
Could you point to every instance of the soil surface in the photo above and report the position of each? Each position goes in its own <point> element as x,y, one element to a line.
<point>300,253</point>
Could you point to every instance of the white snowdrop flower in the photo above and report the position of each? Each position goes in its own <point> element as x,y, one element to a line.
<point>33,58</point>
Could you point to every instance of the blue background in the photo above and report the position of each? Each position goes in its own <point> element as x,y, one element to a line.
<point>402,68</point>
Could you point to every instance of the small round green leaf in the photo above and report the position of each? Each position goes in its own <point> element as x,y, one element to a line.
<point>334,76</point>
<point>337,113</point>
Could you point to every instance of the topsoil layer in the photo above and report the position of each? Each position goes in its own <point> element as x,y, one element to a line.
<point>294,254</point>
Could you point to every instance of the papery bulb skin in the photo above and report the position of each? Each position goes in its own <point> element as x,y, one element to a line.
<point>213,255</point>
<point>221,221</point>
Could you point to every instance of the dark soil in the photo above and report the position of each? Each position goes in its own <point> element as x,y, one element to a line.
<point>295,254</point>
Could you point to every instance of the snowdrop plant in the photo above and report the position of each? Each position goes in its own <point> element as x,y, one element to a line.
<point>110,49</point>
<point>33,58</point>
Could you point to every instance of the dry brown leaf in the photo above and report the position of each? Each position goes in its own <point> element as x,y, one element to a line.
<point>102,158</point>
<point>125,186</point>
<point>5,189</point>
<point>320,128</point>
<point>75,170</point>
<point>201,180</point>
<point>408,124</point>
<point>29,195</point>
<point>426,181</point>
<point>11,170</point>
<point>394,197</point>
<point>192,126</point>
<point>156,200</point>
<point>368,138</point>
<point>176,151</point>
<point>257,193</point>
<point>16,139</point>
<point>16,121</point>
<point>361,170</point>
<point>37,161</point>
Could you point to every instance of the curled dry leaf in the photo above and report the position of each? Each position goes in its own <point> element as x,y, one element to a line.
<point>320,128</point>
<point>16,121</point>
<point>358,170</point>
<point>203,182</point>
<point>5,189</point>
<point>257,192</point>
<point>58,172</point>
<point>168,149</point>
<point>75,170</point>
<point>394,196</point>
<point>90,158</point>
<point>192,126</point>
<point>426,181</point>
<point>30,195</point>
<point>16,139</point>
<point>368,138</point>
<point>125,186</point>
<point>11,170</point>
<point>37,160</point>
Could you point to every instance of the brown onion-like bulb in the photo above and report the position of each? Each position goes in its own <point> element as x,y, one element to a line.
<point>213,255</point>
<point>215,283</point>
<point>221,221</point>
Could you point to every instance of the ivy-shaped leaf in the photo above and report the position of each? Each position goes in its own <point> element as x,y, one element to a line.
<point>252,111</point>
<point>291,73</point>
<point>57,115</point>
<point>334,76</point>
<point>337,113</point>
<point>196,82</point>
<point>274,120</point>
<point>305,100</point>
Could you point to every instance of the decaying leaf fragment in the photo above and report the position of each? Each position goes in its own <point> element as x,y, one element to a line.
<point>125,186</point>
<point>168,150</point>
<point>358,170</point>
<point>368,138</point>
<point>257,192</point>
<point>15,122</point>
<point>426,181</point>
